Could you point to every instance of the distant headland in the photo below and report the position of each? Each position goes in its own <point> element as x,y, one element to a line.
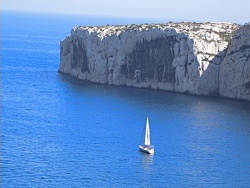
<point>210,59</point>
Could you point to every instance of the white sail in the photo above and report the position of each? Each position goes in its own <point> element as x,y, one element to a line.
<point>147,133</point>
<point>147,147</point>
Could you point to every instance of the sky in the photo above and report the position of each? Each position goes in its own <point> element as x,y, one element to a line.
<point>235,11</point>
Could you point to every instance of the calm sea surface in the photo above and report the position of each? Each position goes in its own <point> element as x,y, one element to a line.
<point>60,132</point>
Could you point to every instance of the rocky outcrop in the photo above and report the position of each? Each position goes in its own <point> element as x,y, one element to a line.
<point>235,68</point>
<point>181,57</point>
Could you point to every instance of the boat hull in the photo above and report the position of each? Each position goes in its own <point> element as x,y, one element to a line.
<point>147,149</point>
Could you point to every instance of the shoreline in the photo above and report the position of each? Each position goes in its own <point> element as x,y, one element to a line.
<point>68,76</point>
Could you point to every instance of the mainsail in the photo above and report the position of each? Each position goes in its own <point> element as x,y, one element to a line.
<point>147,147</point>
<point>147,133</point>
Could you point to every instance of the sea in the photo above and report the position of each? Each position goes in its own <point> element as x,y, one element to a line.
<point>57,131</point>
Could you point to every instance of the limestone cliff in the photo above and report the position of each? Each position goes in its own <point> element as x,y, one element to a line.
<point>235,68</point>
<point>181,57</point>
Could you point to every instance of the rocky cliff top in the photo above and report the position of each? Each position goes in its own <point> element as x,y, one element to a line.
<point>208,30</point>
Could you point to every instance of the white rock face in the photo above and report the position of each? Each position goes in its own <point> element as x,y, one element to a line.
<point>181,57</point>
<point>235,68</point>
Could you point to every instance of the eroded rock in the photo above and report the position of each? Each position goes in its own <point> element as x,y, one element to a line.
<point>181,57</point>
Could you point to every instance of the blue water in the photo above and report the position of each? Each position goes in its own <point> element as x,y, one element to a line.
<point>60,132</point>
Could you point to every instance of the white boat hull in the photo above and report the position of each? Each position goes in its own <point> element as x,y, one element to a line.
<point>147,149</point>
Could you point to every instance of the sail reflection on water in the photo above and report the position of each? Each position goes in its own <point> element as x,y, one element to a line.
<point>147,161</point>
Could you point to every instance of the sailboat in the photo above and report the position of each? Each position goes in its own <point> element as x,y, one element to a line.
<point>147,147</point>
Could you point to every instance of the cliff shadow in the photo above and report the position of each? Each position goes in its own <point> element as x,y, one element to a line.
<point>208,83</point>
<point>151,60</point>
